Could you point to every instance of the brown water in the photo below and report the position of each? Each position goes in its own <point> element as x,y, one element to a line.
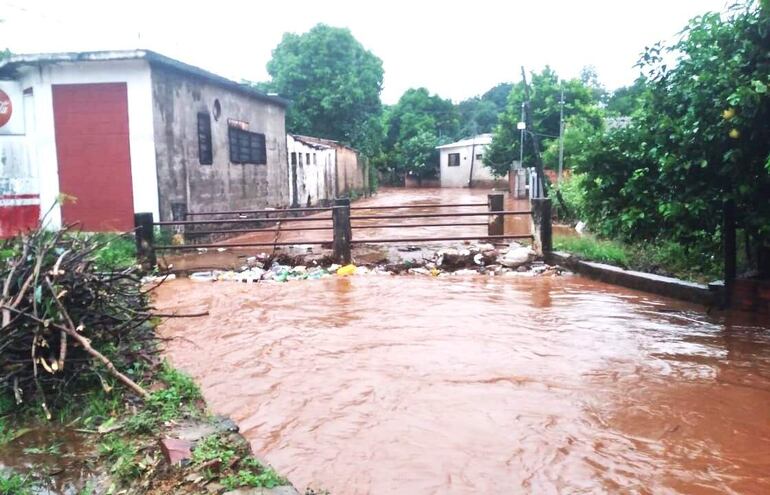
<point>415,385</point>
<point>60,456</point>
<point>368,228</point>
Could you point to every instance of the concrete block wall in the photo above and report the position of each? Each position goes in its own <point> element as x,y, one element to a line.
<point>177,100</point>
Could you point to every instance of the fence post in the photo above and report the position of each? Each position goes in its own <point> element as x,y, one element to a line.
<point>342,232</point>
<point>541,225</point>
<point>144,234</point>
<point>496,225</point>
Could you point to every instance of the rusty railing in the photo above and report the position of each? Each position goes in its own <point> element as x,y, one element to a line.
<point>342,226</point>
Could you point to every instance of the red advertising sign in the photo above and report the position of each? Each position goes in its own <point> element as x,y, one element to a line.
<point>6,108</point>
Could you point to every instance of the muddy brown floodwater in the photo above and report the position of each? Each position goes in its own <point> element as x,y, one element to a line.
<point>367,228</point>
<point>481,385</point>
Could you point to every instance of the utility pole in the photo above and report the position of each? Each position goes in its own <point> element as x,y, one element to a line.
<point>522,126</point>
<point>561,132</point>
<point>542,187</point>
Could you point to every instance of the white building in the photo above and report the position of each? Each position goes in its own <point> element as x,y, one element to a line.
<point>132,131</point>
<point>312,171</point>
<point>461,163</point>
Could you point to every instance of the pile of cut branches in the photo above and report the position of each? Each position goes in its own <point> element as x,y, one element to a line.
<point>64,320</point>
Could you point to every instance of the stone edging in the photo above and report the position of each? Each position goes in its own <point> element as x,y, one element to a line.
<point>647,282</point>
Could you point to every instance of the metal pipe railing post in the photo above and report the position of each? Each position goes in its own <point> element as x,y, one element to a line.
<point>144,233</point>
<point>496,224</point>
<point>343,233</point>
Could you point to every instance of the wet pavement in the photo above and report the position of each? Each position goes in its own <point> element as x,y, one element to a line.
<point>470,385</point>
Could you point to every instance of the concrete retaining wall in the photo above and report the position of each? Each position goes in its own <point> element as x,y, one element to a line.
<point>647,282</point>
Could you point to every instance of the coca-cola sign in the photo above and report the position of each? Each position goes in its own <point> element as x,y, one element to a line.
<point>6,108</point>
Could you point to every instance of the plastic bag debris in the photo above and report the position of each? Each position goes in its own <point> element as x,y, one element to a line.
<point>346,270</point>
<point>203,277</point>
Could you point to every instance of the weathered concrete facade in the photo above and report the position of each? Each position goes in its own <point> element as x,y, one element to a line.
<point>184,182</point>
<point>311,170</point>
<point>351,170</point>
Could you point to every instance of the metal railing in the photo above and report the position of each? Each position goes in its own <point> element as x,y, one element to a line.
<point>343,224</point>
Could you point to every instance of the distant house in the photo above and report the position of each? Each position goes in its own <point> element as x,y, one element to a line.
<point>461,163</point>
<point>132,131</point>
<point>612,123</point>
<point>312,171</point>
<point>350,173</point>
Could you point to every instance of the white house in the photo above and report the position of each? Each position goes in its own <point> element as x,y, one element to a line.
<point>461,163</point>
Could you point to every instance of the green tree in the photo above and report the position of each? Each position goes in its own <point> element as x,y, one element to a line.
<point>415,126</point>
<point>590,79</point>
<point>699,138</point>
<point>626,100</point>
<point>578,132</point>
<point>479,114</point>
<point>545,94</point>
<point>334,85</point>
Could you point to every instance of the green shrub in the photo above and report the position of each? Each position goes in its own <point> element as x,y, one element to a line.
<point>118,251</point>
<point>694,262</point>
<point>572,192</point>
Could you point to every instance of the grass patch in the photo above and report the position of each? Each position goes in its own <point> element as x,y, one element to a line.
<point>593,249</point>
<point>16,484</point>
<point>175,399</point>
<point>122,456</point>
<point>6,432</point>
<point>663,258</point>
<point>53,449</point>
<point>233,465</point>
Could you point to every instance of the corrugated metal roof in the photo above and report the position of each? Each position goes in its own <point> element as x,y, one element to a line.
<point>481,139</point>
<point>9,67</point>
<point>308,141</point>
<point>324,141</point>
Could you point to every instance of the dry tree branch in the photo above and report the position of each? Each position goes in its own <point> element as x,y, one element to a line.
<point>86,344</point>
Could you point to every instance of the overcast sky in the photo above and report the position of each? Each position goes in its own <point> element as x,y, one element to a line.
<point>456,49</point>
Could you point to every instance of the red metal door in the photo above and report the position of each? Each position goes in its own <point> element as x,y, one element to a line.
<point>91,122</point>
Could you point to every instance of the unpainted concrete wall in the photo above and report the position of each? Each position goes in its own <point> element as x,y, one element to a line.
<point>352,172</point>
<point>177,99</point>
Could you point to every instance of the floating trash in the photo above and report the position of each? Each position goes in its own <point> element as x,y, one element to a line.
<point>346,270</point>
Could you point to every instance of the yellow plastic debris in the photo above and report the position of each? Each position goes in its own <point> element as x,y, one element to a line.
<point>435,272</point>
<point>346,270</point>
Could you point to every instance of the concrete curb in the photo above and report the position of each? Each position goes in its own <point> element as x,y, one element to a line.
<point>647,282</point>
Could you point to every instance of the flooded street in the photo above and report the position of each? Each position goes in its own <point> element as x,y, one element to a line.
<point>481,385</point>
<point>365,229</point>
<point>392,197</point>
